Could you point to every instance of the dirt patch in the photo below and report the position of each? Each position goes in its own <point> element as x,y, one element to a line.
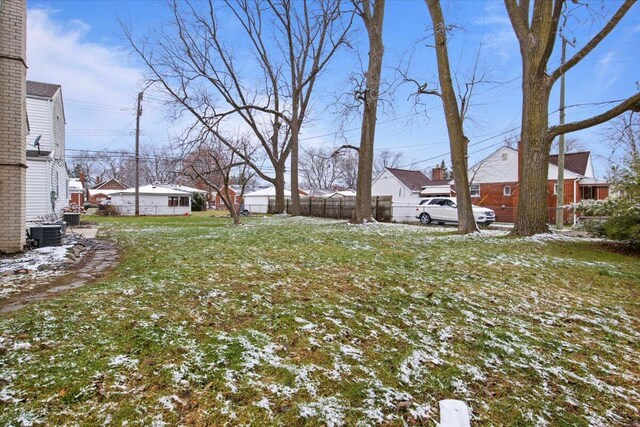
<point>96,262</point>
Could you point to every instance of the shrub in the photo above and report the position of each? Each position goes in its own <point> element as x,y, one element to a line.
<point>198,202</point>
<point>623,210</point>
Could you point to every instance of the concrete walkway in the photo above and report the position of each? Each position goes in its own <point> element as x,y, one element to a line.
<point>104,256</point>
<point>89,233</point>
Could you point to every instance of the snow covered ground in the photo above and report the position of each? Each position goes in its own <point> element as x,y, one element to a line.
<point>287,321</point>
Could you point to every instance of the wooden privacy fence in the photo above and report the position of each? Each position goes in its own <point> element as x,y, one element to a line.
<point>338,207</point>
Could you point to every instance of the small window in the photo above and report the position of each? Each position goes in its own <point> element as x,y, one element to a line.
<point>506,190</point>
<point>474,189</point>
<point>555,188</point>
<point>174,200</point>
<point>505,156</point>
<point>184,201</point>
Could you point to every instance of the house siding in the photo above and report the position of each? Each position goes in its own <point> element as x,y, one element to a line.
<point>39,111</point>
<point>150,204</point>
<point>38,197</point>
<point>46,118</point>
<point>386,184</point>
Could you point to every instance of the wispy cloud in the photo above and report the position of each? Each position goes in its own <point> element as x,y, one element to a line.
<point>99,86</point>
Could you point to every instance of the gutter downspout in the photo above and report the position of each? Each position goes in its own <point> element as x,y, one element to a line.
<point>575,196</point>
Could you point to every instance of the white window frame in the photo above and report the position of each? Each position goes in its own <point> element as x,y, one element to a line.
<point>555,189</point>
<point>472,190</point>
<point>506,190</point>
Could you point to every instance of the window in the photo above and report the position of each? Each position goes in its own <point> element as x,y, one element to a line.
<point>555,188</point>
<point>506,190</point>
<point>505,156</point>
<point>174,200</point>
<point>474,189</point>
<point>436,202</point>
<point>184,201</point>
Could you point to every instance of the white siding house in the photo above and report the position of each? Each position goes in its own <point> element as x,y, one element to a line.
<point>258,201</point>
<point>154,200</point>
<point>47,178</point>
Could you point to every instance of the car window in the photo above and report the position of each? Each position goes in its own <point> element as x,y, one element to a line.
<point>436,202</point>
<point>422,202</point>
<point>448,202</point>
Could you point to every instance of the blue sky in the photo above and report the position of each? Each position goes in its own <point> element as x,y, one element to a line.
<point>79,45</point>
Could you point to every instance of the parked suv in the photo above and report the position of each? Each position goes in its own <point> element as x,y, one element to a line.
<point>443,210</point>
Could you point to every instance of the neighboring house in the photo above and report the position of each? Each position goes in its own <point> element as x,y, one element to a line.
<point>154,200</point>
<point>495,181</point>
<point>234,193</point>
<point>76,192</point>
<point>47,178</point>
<point>439,185</point>
<point>399,183</point>
<point>103,190</point>
<point>318,192</point>
<point>340,193</point>
<point>258,201</point>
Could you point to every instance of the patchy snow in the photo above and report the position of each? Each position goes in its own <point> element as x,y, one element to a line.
<point>33,259</point>
<point>124,361</point>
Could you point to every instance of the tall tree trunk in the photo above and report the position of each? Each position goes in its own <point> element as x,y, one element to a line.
<point>279,185</point>
<point>533,158</point>
<point>373,23</point>
<point>458,142</point>
<point>295,194</point>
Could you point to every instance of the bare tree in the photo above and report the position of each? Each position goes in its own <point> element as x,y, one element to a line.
<point>571,145</point>
<point>215,164</point>
<point>372,14</point>
<point>159,164</point>
<point>291,43</point>
<point>313,33</point>
<point>319,168</point>
<point>623,135</point>
<point>386,159</point>
<point>454,115</point>
<point>536,26</point>
<point>348,167</point>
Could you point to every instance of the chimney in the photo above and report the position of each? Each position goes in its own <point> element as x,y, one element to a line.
<point>81,176</point>
<point>437,173</point>
<point>98,180</point>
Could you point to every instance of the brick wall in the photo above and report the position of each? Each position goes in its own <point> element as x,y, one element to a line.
<point>13,125</point>
<point>492,197</point>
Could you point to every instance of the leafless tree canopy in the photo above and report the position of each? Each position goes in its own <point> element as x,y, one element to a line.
<point>386,159</point>
<point>260,80</point>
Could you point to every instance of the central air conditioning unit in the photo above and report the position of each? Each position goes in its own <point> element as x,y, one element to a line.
<point>46,235</point>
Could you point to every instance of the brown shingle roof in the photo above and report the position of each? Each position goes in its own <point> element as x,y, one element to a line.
<point>575,162</point>
<point>44,90</point>
<point>414,180</point>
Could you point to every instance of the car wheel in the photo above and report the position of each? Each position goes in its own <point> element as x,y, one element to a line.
<point>425,218</point>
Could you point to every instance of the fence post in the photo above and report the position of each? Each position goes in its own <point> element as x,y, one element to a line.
<point>324,208</point>
<point>340,209</point>
<point>287,206</point>
<point>310,214</point>
<point>376,217</point>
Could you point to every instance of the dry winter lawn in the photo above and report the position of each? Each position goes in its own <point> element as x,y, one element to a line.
<point>316,322</point>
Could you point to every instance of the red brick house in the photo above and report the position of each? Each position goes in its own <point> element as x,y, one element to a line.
<point>103,190</point>
<point>495,181</point>
<point>234,193</point>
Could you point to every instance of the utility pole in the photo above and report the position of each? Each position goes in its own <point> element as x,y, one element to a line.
<point>138,114</point>
<point>560,181</point>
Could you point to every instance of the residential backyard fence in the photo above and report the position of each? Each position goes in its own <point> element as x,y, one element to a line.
<point>339,207</point>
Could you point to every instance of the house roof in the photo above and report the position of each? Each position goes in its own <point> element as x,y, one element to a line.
<point>414,180</point>
<point>153,189</point>
<point>575,162</point>
<point>268,192</point>
<point>43,90</point>
<point>103,183</point>
<point>75,184</point>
